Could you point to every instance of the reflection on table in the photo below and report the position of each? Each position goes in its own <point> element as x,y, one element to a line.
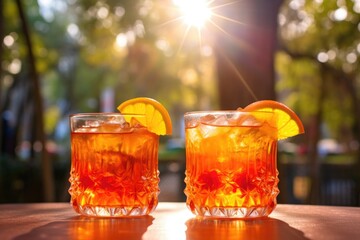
<point>175,221</point>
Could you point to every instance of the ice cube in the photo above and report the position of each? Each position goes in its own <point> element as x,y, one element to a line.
<point>118,119</point>
<point>246,120</point>
<point>206,130</point>
<point>221,120</point>
<point>121,124</point>
<point>92,123</point>
<point>211,126</point>
<point>207,119</point>
<point>192,123</point>
<point>217,120</point>
<point>109,124</point>
<point>89,126</point>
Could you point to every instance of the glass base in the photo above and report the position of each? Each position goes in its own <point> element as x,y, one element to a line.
<point>114,211</point>
<point>230,212</point>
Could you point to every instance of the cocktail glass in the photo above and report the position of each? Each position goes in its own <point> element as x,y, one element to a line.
<point>231,167</point>
<point>114,165</point>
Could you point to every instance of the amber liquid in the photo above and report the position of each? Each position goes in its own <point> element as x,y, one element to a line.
<point>231,171</point>
<point>114,174</point>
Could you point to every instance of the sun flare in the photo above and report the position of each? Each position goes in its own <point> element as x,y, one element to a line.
<point>195,13</point>
<point>200,20</point>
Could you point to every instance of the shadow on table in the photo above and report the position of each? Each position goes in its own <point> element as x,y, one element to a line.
<point>266,228</point>
<point>92,228</point>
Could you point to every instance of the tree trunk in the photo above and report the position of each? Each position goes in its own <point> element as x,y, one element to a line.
<point>47,170</point>
<point>245,50</point>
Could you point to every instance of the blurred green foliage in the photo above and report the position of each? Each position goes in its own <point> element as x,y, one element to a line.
<point>319,55</point>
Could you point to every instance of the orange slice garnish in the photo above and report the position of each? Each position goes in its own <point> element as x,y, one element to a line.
<point>288,123</point>
<point>157,118</point>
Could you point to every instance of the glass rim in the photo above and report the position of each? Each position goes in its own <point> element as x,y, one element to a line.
<point>104,114</point>
<point>223,112</point>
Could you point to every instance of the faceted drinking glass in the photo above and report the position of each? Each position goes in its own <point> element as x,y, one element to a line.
<point>231,167</point>
<point>114,165</point>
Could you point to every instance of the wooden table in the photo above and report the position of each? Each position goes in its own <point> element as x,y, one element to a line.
<point>175,221</point>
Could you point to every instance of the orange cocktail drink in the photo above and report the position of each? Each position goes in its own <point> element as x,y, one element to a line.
<point>114,169</point>
<point>231,163</point>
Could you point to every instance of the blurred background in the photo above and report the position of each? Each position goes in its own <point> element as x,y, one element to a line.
<point>65,56</point>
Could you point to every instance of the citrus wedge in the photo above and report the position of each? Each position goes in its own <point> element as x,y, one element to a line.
<point>157,118</point>
<point>288,123</point>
